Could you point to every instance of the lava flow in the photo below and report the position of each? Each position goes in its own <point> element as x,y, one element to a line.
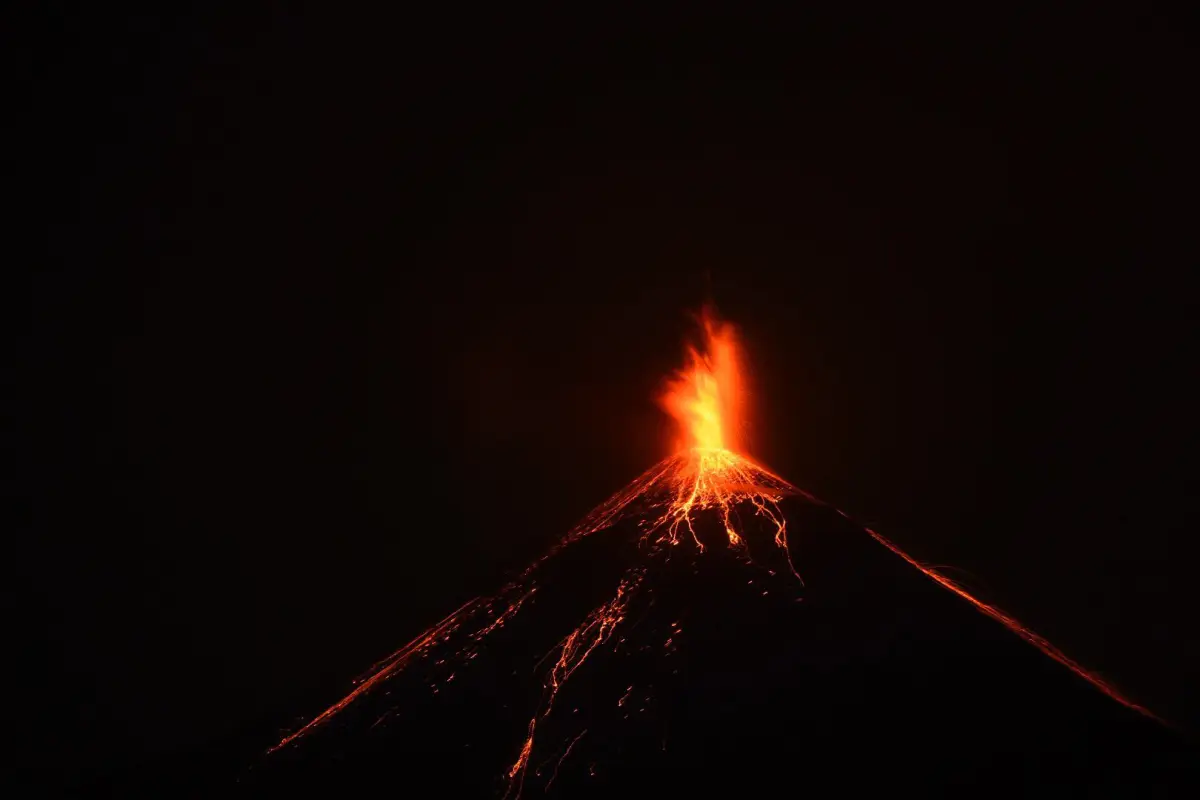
<point>704,495</point>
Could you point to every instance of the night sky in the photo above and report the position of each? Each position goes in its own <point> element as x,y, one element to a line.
<point>334,319</point>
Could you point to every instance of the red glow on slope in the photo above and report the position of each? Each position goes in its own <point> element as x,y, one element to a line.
<point>1038,641</point>
<point>389,666</point>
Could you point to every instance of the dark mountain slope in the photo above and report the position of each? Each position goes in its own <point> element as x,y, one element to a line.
<point>647,668</point>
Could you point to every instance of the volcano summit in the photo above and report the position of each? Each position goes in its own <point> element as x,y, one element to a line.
<point>713,628</point>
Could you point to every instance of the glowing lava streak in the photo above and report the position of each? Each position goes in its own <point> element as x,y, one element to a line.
<point>595,631</point>
<point>1014,625</point>
<point>388,667</point>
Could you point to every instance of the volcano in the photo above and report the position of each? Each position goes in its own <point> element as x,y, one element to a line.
<point>713,628</point>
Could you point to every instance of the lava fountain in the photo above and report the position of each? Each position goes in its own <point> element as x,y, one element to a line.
<point>706,397</point>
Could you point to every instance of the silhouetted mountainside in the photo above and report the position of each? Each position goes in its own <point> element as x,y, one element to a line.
<point>721,672</point>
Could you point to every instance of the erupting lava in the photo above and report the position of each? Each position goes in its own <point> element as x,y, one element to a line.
<point>705,398</point>
<point>705,487</point>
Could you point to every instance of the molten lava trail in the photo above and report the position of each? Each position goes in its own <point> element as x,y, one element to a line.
<point>705,485</point>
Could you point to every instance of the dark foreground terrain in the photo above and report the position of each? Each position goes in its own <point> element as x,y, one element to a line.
<point>728,676</point>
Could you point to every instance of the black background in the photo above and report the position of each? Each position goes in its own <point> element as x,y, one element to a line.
<point>332,319</point>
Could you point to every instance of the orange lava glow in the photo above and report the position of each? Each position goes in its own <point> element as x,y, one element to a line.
<point>706,400</point>
<point>707,478</point>
<point>706,397</point>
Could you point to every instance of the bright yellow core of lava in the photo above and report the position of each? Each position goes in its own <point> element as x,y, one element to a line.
<point>705,397</point>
